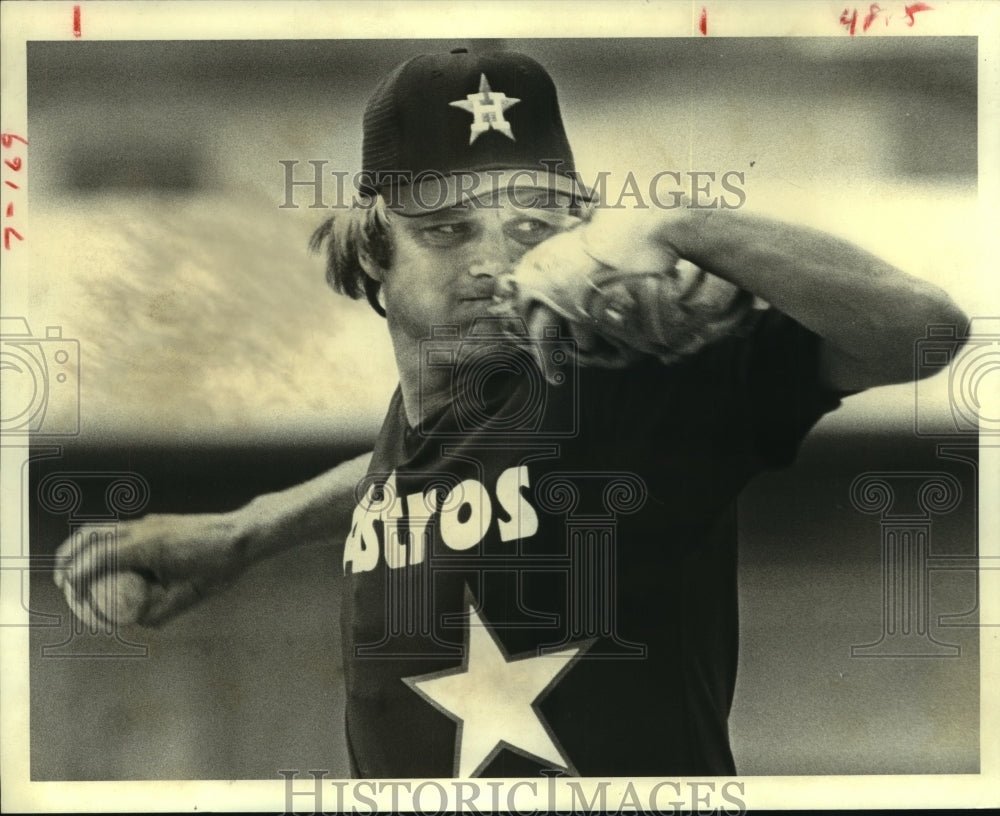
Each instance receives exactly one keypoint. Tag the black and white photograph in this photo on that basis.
(499, 406)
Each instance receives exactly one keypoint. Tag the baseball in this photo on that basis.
(121, 597)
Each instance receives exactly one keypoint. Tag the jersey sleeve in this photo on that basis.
(776, 379)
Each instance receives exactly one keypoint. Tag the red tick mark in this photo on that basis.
(7, 139)
(703, 21)
(13, 164)
(10, 209)
(77, 31)
(7, 232)
(12, 185)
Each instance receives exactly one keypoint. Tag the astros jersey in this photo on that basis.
(543, 575)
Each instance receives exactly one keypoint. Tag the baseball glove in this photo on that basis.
(618, 316)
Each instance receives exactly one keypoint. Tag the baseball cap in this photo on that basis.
(445, 128)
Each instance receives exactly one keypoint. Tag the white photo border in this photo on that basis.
(23, 22)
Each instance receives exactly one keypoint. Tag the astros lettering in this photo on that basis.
(398, 527)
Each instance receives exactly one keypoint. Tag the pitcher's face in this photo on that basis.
(446, 263)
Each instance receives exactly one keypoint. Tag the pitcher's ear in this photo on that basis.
(372, 269)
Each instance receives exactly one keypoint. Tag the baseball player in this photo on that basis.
(540, 552)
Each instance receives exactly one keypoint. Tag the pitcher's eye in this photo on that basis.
(448, 229)
(531, 230)
(445, 234)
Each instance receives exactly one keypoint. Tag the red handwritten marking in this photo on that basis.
(852, 20)
(912, 10)
(77, 30)
(703, 21)
(7, 232)
(15, 164)
(873, 11)
(849, 17)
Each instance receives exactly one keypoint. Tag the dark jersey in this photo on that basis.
(543, 576)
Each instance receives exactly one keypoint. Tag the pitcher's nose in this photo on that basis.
(489, 269)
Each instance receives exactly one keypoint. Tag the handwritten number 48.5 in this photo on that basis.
(851, 17)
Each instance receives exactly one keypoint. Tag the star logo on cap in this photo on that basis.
(487, 109)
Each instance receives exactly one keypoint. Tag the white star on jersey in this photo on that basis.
(487, 110)
(492, 699)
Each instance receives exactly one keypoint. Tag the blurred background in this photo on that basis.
(216, 364)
